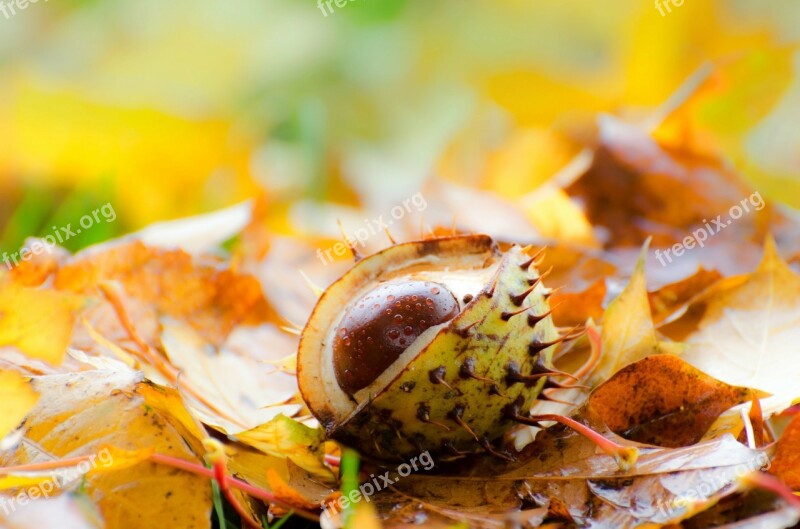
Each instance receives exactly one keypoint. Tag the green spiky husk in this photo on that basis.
(452, 397)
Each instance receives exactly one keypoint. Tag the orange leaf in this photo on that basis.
(786, 464)
(663, 400)
(212, 298)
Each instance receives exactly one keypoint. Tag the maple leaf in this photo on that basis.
(211, 298)
(748, 331)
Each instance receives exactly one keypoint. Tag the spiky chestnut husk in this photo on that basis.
(449, 391)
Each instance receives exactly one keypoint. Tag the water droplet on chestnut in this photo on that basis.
(388, 332)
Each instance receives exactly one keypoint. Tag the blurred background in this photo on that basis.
(171, 109)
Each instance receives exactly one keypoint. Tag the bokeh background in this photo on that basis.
(171, 109)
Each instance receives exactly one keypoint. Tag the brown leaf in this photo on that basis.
(566, 475)
(209, 296)
(669, 298)
(664, 401)
(786, 464)
(637, 188)
(571, 309)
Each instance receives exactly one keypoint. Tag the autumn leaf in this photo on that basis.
(286, 493)
(663, 400)
(576, 485)
(668, 299)
(754, 80)
(16, 400)
(571, 309)
(628, 333)
(79, 413)
(284, 437)
(37, 322)
(747, 333)
(674, 189)
(240, 387)
(213, 300)
(786, 464)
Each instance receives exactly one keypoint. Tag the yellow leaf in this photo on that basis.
(528, 159)
(364, 517)
(37, 322)
(69, 137)
(239, 391)
(738, 111)
(285, 437)
(628, 334)
(114, 458)
(749, 332)
(16, 400)
(557, 217)
(83, 414)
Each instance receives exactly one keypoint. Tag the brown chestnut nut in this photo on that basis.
(381, 324)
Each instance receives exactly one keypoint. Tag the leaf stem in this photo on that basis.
(261, 494)
(46, 465)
